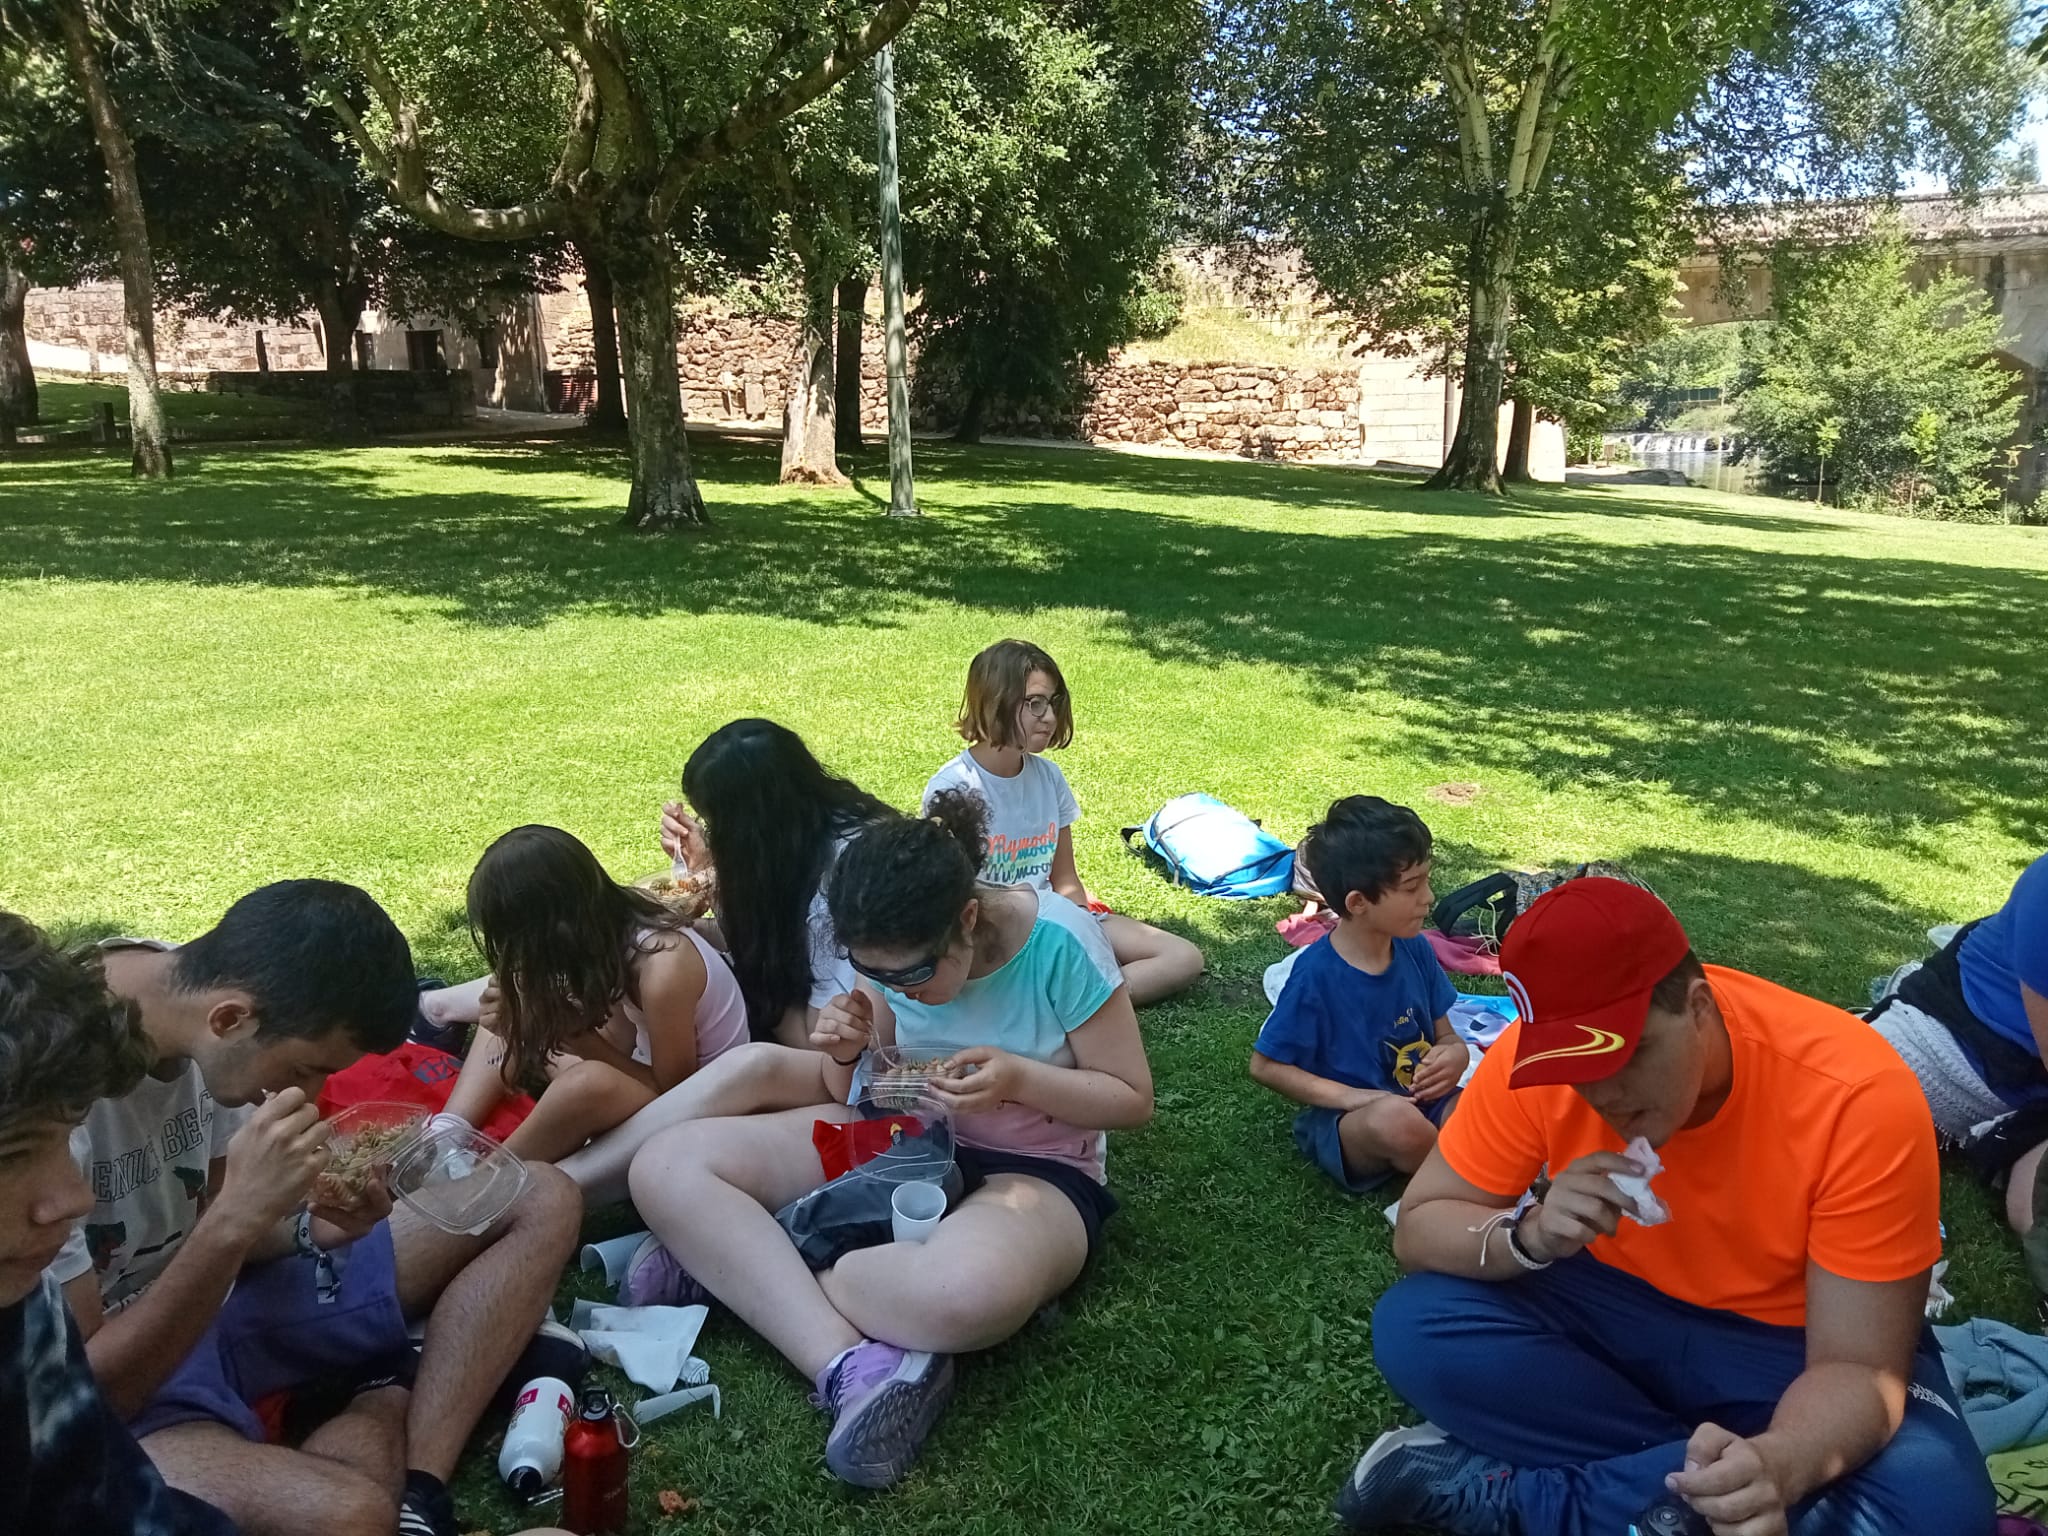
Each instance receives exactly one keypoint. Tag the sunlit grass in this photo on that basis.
(1815, 733)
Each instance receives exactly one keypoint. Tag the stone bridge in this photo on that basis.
(2001, 244)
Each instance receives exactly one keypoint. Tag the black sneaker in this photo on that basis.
(555, 1351)
(426, 1509)
(1421, 1476)
(449, 1037)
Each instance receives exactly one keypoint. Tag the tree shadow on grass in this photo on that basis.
(1827, 693)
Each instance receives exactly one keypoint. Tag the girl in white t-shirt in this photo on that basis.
(1016, 708)
(1019, 994)
(599, 985)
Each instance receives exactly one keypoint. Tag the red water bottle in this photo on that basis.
(594, 1466)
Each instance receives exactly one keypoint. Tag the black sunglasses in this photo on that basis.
(910, 976)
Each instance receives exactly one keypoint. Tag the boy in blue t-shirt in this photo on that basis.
(1361, 1034)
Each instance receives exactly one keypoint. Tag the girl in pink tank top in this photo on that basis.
(594, 985)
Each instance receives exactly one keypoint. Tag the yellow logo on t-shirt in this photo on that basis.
(1407, 1058)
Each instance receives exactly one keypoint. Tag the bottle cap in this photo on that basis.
(597, 1405)
(526, 1482)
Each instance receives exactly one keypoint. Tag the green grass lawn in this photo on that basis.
(1815, 733)
(68, 403)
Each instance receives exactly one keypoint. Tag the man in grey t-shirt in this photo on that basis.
(210, 1285)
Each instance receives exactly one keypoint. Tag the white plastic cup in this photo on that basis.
(914, 1209)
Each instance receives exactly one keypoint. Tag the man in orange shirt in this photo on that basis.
(1759, 1359)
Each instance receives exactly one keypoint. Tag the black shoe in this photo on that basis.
(1421, 1476)
(426, 1509)
(555, 1351)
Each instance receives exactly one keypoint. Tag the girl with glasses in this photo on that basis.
(1016, 708)
(1016, 990)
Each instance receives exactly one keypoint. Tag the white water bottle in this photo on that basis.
(532, 1457)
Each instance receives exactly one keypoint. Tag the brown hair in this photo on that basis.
(995, 692)
(556, 930)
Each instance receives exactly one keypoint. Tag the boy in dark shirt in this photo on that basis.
(66, 1462)
(1361, 1034)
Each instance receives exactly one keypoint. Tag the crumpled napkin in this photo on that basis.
(1647, 1209)
(650, 1344)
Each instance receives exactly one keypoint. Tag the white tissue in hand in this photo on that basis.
(1644, 1206)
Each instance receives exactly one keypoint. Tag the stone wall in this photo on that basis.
(733, 367)
(1379, 408)
(81, 330)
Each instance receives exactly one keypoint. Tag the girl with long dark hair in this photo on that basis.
(594, 983)
(773, 821)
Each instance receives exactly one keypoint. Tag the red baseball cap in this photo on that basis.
(1581, 964)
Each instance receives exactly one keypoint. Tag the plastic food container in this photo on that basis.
(453, 1175)
(363, 1138)
(692, 894)
(921, 1149)
(900, 1079)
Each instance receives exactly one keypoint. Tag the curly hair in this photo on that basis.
(771, 815)
(902, 884)
(558, 934)
(996, 680)
(65, 1041)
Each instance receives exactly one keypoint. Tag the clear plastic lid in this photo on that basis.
(920, 1146)
(457, 1177)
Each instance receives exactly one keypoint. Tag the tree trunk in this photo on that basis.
(968, 428)
(149, 438)
(853, 306)
(1521, 433)
(809, 442)
(1472, 462)
(340, 307)
(18, 404)
(608, 412)
(664, 491)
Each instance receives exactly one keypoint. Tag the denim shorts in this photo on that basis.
(1315, 1133)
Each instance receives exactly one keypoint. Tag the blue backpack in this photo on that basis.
(1216, 850)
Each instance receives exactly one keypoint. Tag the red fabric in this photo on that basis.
(414, 1074)
(1455, 952)
(1304, 928)
(843, 1148)
(1467, 956)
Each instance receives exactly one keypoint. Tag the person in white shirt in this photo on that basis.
(1016, 709)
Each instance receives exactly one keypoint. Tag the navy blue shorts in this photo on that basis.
(1093, 1200)
(1315, 1133)
(276, 1332)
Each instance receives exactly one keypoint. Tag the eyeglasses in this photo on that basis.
(1039, 705)
(910, 976)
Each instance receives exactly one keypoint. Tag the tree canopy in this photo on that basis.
(1883, 383)
(1460, 163)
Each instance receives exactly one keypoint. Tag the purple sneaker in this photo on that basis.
(653, 1278)
(883, 1402)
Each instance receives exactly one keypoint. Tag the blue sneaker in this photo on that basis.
(1421, 1476)
(654, 1277)
(883, 1402)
